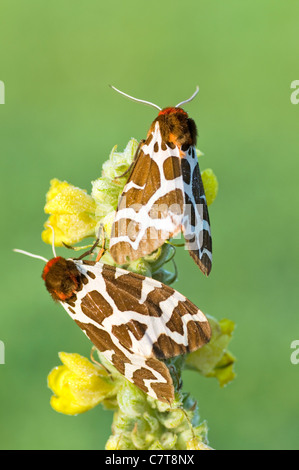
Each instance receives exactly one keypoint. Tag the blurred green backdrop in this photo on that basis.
(61, 120)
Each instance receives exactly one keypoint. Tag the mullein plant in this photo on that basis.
(80, 384)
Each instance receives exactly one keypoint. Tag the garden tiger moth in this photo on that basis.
(164, 193)
(136, 322)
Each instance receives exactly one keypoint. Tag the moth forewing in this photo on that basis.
(134, 321)
(150, 209)
(165, 175)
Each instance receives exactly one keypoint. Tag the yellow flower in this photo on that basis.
(210, 184)
(78, 385)
(72, 214)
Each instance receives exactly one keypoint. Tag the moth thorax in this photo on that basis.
(177, 128)
(62, 278)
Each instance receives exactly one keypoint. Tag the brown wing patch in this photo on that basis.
(165, 347)
(131, 282)
(128, 226)
(164, 391)
(155, 297)
(172, 168)
(172, 202)
(122, 332)
(199, 333)
(175, 323)
(146, 175)
(103, 342)
(95, 306)
(125, 291)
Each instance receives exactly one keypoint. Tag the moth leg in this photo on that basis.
(69, 247)
(75, 248)
(91, 250)
(102, 250)
(133, 162)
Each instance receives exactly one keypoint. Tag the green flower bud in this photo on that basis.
(140, 266)
(172, 419)
(118, 163)
(161, 256)
(213, 359)
(168, 440)
(131, 400)
(156, 446)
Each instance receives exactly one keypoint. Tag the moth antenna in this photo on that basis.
(53, 240)
(136, 99)
(31, 255)
(189, 99)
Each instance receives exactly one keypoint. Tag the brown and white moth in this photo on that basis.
(164, 193)
(134, 321)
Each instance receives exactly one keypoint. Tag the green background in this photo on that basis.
(61, 120)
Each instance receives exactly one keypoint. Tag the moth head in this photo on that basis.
(62, 278)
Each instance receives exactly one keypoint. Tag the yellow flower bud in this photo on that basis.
(78, 385)
(210, 184)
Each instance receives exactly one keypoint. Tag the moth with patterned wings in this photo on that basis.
(164, 193)
(135, 321)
